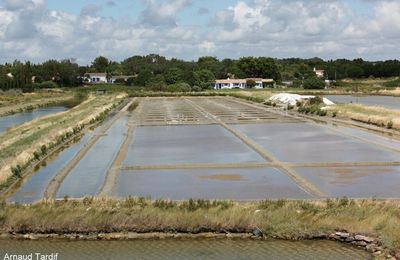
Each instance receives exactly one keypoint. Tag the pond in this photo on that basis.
(20, 118)
(185, 249)
(382, 101)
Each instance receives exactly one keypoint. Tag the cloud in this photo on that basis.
(298, 28)
(163, 14)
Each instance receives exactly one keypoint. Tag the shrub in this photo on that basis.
(389, 125)
(16, 171)
(43, 149)
(36, 155)
(314, 83)
(47, 84)
(179, 87)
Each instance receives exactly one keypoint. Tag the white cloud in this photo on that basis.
(297, 28)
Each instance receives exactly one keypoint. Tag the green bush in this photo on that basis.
(16, 171)
(179, 87)
(314, 83)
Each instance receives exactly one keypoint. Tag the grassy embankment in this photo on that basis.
(379, 116)
(26, 143)
(16, 103)
(279, 219)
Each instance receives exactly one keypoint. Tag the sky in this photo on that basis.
(38, 30)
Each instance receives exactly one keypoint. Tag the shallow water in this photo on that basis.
(382, 101)
(20, 118)
(355, 182)
(186, 249)
(305, 142)
(34, 187)
(187, 144)
(239, 184)
(88, 175)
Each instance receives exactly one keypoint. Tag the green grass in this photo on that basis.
(276, 218)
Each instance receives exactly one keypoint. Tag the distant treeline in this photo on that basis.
(159, 73)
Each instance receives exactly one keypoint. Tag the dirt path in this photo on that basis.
(301, 182)
(113, 172)
(55, 183)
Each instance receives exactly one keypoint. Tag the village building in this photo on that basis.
(96, 78)
(319, 73)
(242, 83)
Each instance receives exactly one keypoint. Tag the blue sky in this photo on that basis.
(83, 29)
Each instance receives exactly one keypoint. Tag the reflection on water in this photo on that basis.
(355, 182)
(305, 142)
(33, 188)
(240, 184)
(186, 249)
(187, 144)
(382, 101)
(20, 118)
(88, 175)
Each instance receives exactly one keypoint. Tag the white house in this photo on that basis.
(96, 77)
(242, 83)
(319, 73)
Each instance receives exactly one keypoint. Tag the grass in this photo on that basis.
(383, 117)
(18, 102)
(133, 106)
(19, 144)
(276, 218)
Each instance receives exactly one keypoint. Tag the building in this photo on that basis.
(95, 78)
(242, 83)
(319, 73)
(115, 79)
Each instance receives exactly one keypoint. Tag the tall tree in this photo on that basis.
(100, 64)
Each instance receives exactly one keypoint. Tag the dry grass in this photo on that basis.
(281, 218)
(18, 144)
(380, 116)
(390, 92)
(11, 104)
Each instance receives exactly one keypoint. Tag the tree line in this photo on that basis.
(156, 72)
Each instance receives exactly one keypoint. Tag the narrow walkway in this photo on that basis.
(189, 166)
(55, 183)
(301, 182)
(113, 172)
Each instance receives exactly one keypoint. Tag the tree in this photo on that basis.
(100, 64)
(204, 78)
(157, 83)
(173, 75)
(314, 83)
(250, 83)
(143, 77)
(259, 68)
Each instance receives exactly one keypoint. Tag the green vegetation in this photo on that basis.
(16, 102)
(313, 106)
(276, 218)
(314, 83)
(22, 145)
(157, 73)
(133, 106)
(393, 83)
